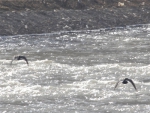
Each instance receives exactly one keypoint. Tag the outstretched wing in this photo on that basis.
(117, 84)
(23, 57)
(11, 61)
(132, 83)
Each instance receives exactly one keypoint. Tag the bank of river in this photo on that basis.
(43, 21)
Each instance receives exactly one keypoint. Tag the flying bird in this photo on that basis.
(20, 58)
(125, 81)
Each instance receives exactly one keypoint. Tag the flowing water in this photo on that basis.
(75, 72)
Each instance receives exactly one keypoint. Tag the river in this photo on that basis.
(76, 72)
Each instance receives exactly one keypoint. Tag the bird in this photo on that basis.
(19, 58)
(125, 81)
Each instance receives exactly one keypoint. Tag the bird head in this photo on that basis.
(15, 57)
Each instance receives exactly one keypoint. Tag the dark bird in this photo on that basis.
(20, 58)
(125, 81)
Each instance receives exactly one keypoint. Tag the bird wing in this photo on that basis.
(23, 57)
(26, 60)
(11, 61)
(117, 84)
(132, 83)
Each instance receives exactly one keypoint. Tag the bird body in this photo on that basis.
(20, 58)
(125, 81)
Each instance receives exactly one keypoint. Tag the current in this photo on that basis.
(76, 71)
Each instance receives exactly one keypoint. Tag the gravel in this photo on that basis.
(43, 21)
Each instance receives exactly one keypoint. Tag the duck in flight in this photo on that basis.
(20, 58)
(125, 81)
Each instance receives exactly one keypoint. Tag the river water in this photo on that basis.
(75, 72)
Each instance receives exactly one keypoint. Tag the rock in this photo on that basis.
(120, 4)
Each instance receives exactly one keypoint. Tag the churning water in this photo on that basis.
(75, 72)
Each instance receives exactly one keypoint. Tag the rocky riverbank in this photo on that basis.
(33, 21)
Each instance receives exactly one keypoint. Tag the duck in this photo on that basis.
(19, 58)
(125, 81)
